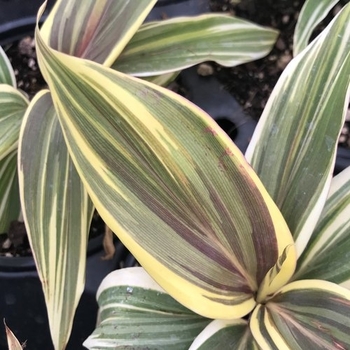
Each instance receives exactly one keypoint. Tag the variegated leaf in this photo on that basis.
(97, 30)
(12, 341)
(7, 75)
(326, 256)
(136, 313)
(163, 79)
(293, 147)
(57, 214)
(225, 334)
(311, 14)
(10, 206)
(276, 276)
(168, 181)
(13, 106)
(309, 314)
(175, 44)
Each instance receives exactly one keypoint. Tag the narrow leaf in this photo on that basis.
(12, 341)
(309, 314)
(225, 334)
(327, 253)
(57, 214)
(178, 43)
(7, 75)
(311, 14)
(13, 106)
(94, 29)
(135, 313)
(277, 276)
(169, 182)
(10, 206)
(293, 147)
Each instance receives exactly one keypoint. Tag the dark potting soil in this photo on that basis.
(29, 79)
(23, 59)
(250, 84)
(15, 242)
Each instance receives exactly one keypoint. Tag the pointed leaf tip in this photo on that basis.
(169, 182)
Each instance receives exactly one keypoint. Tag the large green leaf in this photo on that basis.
(175, 44)
(7, 75)
(225, 334)
(311, 14)
(309, 314)
(13, 106)
(10, 206)
(326, 256)
(135, 313)
(293, 147)
(57, 214)
(94, 29)
(169, 182)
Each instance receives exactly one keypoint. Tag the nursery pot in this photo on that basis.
(22, 302)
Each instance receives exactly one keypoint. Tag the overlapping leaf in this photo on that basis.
(96, 30)
(327, 253)
(7, 76)
(145, 316)
(13, 106)
(309, 314)
(10, 206)
(175, 44)
(311, 14)
(276, 277)
(170, 182)
(57, 214)
(163, 79)
(300, 124)
(221, 334)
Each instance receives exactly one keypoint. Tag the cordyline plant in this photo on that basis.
(240, 256)
(56, 206)
(202, 225)
(182, 197)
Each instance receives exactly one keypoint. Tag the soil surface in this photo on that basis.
(250, 84)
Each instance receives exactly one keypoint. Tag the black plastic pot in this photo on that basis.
(343, 159)
(17, 18)
(22, 301)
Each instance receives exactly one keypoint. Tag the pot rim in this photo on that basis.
(27, 263)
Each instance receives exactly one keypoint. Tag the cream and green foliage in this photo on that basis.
(52, 190)
(13, 106)
(311, 14)
(162, 47)
(166, 320)
(326, 253)
(56, 207)
(290, 134)
(211, 230)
